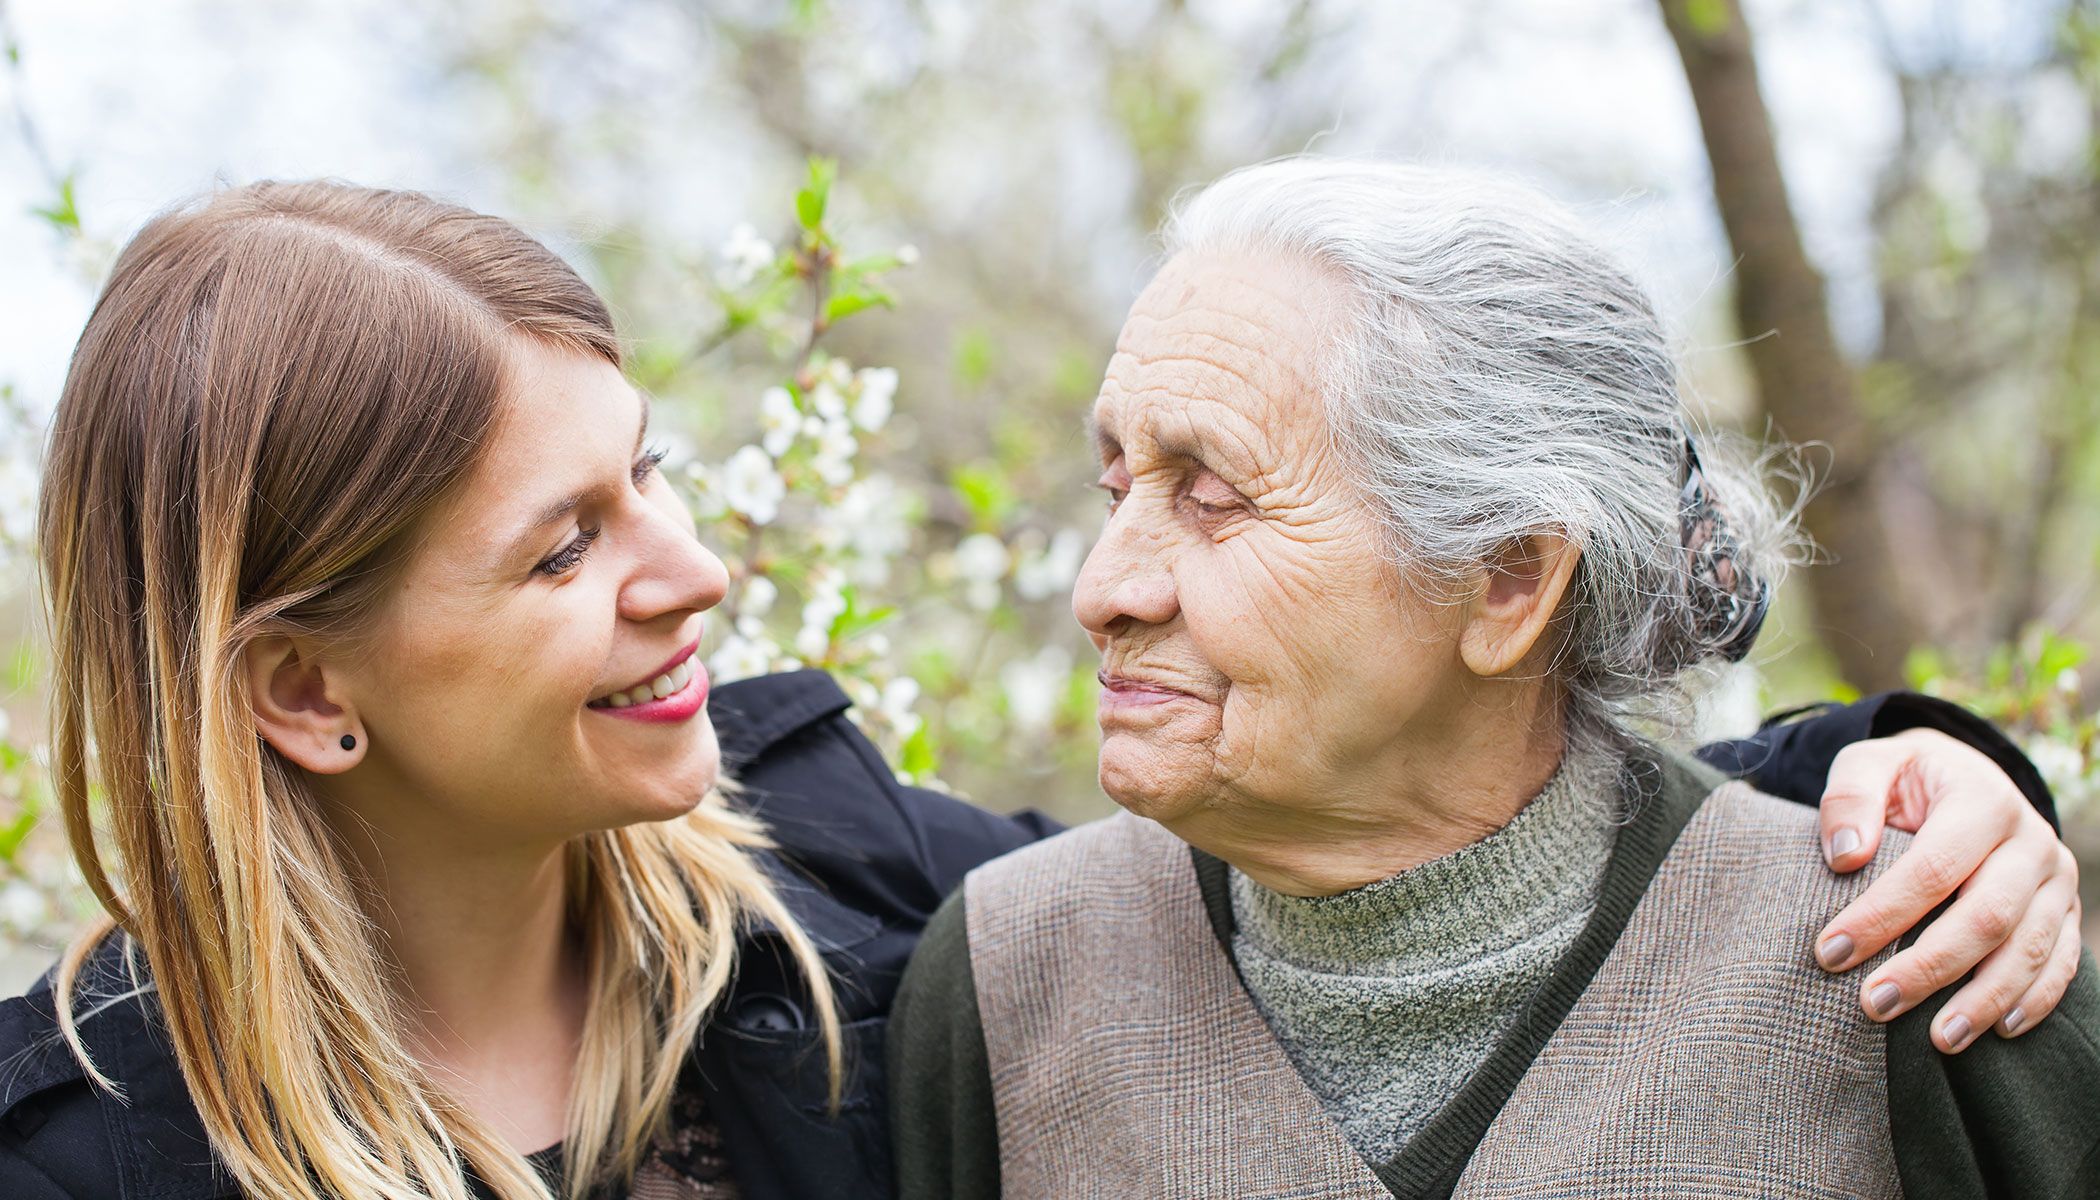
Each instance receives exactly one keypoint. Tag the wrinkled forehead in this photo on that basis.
(1222, 348)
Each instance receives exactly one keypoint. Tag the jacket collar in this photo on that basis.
(161, 1149)
(158, 1136)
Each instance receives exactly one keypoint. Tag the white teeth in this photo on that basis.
(673, 680)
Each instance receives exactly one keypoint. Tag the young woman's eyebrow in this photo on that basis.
(558, 509)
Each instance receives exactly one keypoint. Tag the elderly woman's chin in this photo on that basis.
(1159, 764)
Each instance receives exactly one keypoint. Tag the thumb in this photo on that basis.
(1855, 802)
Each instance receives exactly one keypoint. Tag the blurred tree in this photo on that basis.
(1802, 379)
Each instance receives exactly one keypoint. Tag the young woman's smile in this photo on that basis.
(674, 693)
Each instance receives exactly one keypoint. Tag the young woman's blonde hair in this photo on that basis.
(274, 388)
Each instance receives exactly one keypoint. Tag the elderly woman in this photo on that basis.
(1408, 548)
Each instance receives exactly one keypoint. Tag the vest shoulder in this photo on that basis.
(1098, 850)
(1749, 815)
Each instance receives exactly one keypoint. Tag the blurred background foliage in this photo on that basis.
(871, 257)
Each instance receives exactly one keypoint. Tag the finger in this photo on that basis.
(1946, 851)
(2042, 998)
(2007, 973)
(1856, 800)
(1977, 923)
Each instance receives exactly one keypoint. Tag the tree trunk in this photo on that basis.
(1805, 385)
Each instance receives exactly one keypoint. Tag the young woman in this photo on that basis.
(358, 573)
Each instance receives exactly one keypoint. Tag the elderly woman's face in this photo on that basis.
(1255, 641)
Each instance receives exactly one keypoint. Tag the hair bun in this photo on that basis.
(1728, 604)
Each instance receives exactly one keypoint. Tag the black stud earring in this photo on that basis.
(349, 742)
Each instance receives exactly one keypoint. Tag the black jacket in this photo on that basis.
(863, 864)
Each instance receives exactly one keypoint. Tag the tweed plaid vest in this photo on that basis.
(1708, 1056)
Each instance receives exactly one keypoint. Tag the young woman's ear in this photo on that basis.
(296, 702)
(1519, 592)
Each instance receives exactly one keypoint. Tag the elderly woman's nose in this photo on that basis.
(1125, 579)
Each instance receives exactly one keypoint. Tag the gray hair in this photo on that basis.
(1497, 374)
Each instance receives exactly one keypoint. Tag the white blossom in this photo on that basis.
(740, 657)
(22, 906)
(981, 561)
(708, 502)
(812, 643)
(744, 255)
(838, 373)
(2063, 768)
(826, 604)
(2067, 681)
(1035, 686)
(867, 526)
(3, 724)
(877, 398)
(836, 447)
(751, 486)
(898, 696)
(779, 420)
(1041, 576)
(908, 254)
(827, 401)
(758, 596)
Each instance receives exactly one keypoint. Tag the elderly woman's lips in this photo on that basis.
(1119, 692)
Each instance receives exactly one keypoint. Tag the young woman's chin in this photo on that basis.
(674, 785)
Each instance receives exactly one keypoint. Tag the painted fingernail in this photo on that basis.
(1955, 1032)
(1841, 843)
(1884, 998)
(2013, 1021)
(1835, 950)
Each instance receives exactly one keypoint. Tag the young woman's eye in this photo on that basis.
(566, 558)
(649, 461)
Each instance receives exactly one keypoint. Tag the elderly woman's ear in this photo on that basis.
(1515, 597)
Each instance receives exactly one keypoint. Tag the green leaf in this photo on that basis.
(64, 215)
(975, 354)
(855, 624)
(15, 831)
(1707, 17)
(917, 758)
(985, 492)
(22, 667)
(2058, 655)
(815, 197)
(873, 264)
(845, 304)
(809, 210)
(1922, 666)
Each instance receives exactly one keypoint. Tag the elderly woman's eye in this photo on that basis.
(1214, 498)
(1115, 480)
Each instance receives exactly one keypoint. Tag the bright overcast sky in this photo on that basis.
(158, 100)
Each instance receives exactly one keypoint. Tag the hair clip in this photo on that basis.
(1711, 551)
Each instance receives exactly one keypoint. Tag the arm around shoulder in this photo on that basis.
(942, 1123)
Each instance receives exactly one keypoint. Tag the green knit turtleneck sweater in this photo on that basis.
(1389, 995)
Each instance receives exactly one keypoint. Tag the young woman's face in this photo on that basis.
(564, 571)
